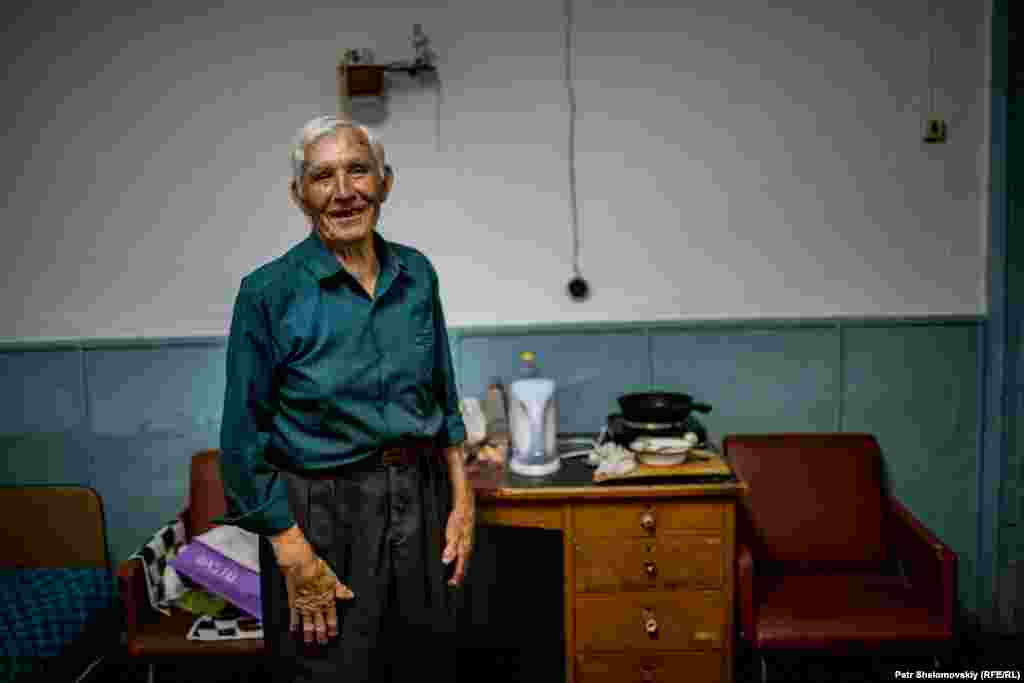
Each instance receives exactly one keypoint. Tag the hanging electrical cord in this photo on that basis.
(935, 124)
(437, 118)
(344, 99)
(578, 287)
(931, 60)
(930, 38)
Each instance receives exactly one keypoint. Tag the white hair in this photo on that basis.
(325, 125)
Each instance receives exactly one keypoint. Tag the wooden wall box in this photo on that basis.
(363, 79)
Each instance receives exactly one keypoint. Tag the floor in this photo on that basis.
(509, 666)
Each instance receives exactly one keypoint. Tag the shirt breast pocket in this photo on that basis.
(422, 347)
(420, 355)
(424, 338)
(422, 320)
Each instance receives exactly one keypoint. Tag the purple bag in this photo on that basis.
(225, 561)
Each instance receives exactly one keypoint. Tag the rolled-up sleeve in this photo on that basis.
(257, 496)
(453, 432)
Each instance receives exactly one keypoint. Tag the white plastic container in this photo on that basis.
(533, 424)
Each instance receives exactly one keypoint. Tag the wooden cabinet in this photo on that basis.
(673, 561)
(648, 573)
(664, 621)
(653, 668)
(653, 590)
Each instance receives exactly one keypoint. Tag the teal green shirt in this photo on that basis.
(322, 375)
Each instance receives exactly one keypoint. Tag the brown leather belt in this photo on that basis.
(405, 453)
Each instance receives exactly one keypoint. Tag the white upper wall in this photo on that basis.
(733, 160)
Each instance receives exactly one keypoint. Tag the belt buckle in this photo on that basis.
(392, 456)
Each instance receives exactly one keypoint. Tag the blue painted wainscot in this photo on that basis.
(125, 416)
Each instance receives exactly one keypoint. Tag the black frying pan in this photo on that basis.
(659, 407)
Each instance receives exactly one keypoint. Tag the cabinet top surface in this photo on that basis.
(574, 480)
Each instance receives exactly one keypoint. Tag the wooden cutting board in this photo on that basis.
(701, 465)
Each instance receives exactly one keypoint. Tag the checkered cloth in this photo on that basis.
(216, 628)
(159, 575)
(165, 586)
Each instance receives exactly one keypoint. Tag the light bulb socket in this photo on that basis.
(578, 289)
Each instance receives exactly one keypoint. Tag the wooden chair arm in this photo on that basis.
(134, 597)
(928, 564)
(746, 606)
(745, 602)
(134, 594)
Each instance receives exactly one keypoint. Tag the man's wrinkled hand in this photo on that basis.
(312, 589)
(459, 540)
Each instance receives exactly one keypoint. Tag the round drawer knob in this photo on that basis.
(650, 622)
(647, 520)
(650, 568)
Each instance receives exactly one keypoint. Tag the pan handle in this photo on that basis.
(701, 407)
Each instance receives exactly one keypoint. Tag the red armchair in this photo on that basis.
(827, 560)
(156, 637)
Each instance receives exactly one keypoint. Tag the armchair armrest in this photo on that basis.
(745, 590)
(745, 579)
(134, 598)
(131, 582)
(929, 565)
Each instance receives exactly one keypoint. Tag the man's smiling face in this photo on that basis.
(342, 188)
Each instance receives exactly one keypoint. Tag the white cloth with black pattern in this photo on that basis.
(163, 585)
(215, 628)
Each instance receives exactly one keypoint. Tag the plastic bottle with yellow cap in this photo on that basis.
(528, 365)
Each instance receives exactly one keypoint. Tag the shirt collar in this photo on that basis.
(322, 262)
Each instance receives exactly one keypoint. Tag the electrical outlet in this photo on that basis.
(935, 129)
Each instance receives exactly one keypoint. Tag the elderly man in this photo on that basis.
(341, 441)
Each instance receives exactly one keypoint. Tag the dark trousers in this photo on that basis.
(381, 528)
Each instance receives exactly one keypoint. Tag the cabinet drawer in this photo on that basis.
(646, 519)
(668, 561)
(651, 621)
(533, 516)
(676, 667)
